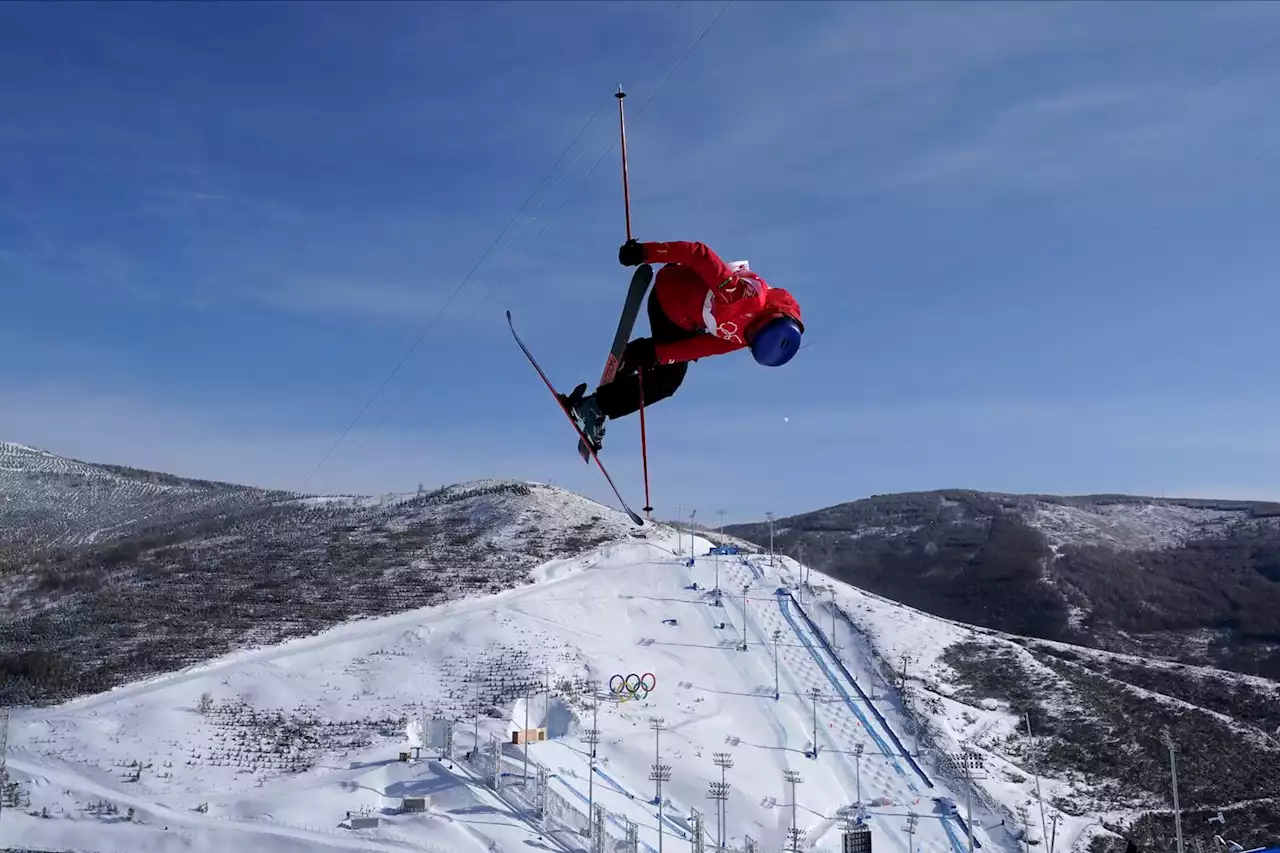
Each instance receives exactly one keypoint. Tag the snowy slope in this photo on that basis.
(297, 735)
(1092, 699)
(84, 620)
(51, 500)
(1130, 525)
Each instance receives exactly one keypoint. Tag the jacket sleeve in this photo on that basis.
(696, 256)
(691, 349)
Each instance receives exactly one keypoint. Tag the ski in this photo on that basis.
(581, 436)
(630, 312)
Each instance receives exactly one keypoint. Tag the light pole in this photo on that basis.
(591, 737)
(912, 820)
(660, 773)
(769, 516)
(857, 766)
(525, 778)
(657, 724)
(834, 646)
(724, 761)
(679, 535)
(745, 587)
(777, 635)
(804, 571)
(691, 545)
(793, 776)
(1167, 737)
(815, 694)
(719, 545)
(970, 760)
(1036, 772)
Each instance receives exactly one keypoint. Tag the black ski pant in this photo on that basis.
(621, 397)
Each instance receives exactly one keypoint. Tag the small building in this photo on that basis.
(413, 805)
(404, 756)
(364, 822)
(529, 735)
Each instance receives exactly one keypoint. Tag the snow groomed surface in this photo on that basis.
(622, 608)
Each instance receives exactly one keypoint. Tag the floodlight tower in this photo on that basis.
(658, 724)
(815, 694)
(777, 635)
(724, 761)
(660, 773)
(832, 589)
(598, 834)
(849, 819)
(793, 834)
(1167, 737)
(971, 764)
(1035, 771)
(591, 737)
(769, 516)
(857, 768)
(679, 535)
(698, 827)
(913, 820)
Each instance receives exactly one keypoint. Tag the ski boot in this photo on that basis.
(586, 411)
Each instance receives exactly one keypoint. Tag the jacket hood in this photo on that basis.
(783, 302)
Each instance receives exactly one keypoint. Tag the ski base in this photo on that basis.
(582, 438)
(630, 312)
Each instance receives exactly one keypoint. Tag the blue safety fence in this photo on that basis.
(844, 694)
(874, 710)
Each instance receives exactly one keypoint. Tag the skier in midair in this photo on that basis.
(699, 306)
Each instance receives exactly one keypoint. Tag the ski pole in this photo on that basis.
(644, 450)
(626, 189)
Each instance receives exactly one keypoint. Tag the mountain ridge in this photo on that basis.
(188, 571)
(106, 570)
(1197, 579)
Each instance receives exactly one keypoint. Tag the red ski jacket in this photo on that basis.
(700, 292)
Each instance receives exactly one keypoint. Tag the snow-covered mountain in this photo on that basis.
(53, 501)
(1193, 580)
(273, 748)
(157, 573)
(270, 749)
(1103, 618)
(324, 630)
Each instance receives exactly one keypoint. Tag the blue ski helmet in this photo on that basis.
(776, 342)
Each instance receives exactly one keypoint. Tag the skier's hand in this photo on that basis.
(631, 254)
(638, 355)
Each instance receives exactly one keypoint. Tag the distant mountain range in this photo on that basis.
(1196, 581)
(1105, 620)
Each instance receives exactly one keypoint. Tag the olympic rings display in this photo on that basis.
(633, 686)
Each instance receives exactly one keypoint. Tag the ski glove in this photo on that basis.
(638, 355)
(631, 254)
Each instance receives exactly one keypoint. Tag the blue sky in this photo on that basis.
(1034, 243)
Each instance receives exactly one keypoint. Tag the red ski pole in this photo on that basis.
(644, 449)
(626, 204)
(626, 190)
